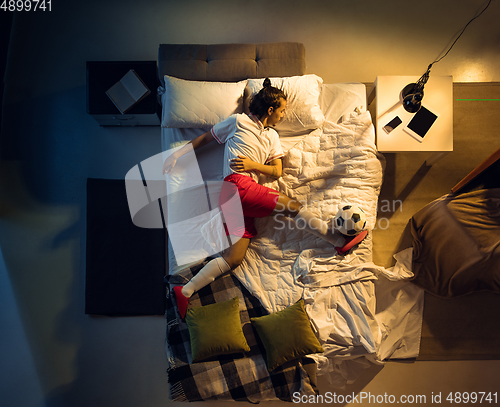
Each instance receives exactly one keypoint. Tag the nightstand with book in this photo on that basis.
(122, 93)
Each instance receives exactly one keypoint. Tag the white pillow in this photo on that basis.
(196, 104)
(303, 111)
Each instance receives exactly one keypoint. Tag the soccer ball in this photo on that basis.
(350, 220)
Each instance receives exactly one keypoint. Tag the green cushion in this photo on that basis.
(215, 329)
(286, 335)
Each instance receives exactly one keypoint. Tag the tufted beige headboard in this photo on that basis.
(231, 62)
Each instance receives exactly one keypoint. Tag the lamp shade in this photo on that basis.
(413, 93)
(412, 97)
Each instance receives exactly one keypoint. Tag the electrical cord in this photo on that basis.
(454, 42)
(413, 93)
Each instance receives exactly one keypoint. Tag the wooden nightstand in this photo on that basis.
(101, 75)
(386, 103)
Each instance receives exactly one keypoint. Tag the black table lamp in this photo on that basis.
(413, 93)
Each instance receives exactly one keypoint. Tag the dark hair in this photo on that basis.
(268, 96)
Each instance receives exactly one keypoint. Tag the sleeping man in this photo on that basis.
(251, 146)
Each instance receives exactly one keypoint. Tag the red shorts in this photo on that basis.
(257, 201)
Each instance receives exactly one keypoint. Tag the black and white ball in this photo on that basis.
(350, 220)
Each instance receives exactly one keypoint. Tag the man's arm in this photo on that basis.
(196, 143)
(199, 141)
(276, 167)
(272, 169)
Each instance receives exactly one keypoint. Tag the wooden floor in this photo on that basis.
(408, 186)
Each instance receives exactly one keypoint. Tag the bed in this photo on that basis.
(456, 238)
(358, 312)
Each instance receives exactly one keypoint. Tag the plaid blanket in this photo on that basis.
(242, 377)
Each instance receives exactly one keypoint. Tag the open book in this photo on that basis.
(128, 91)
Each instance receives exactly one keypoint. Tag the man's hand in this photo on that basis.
(241, 164)
(169, 163)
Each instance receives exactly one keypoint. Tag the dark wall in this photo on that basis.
(5, 29)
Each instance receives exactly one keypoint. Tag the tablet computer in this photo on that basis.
(420, 124)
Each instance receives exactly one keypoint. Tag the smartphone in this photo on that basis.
(420, 124)
(392, 124)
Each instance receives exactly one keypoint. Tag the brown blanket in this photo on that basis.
(456, 244)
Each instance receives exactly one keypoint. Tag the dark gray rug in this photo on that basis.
(125, 264)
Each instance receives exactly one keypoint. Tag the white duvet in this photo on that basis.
(331, 166)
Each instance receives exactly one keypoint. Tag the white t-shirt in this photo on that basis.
(245, 136)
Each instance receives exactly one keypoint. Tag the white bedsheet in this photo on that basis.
(329, 167)
(362, 313)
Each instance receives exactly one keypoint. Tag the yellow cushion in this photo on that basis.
(286, 335)
(215, 329)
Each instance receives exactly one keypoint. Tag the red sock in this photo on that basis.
(351, 242)
(181, 300)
